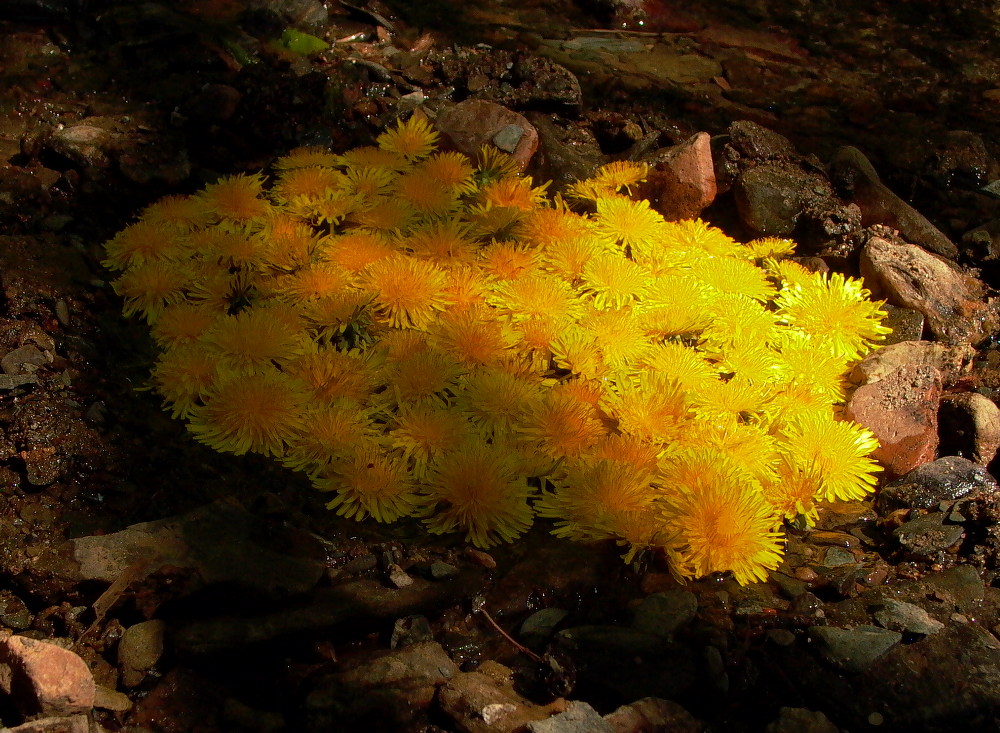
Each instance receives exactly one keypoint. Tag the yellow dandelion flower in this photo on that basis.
(740, 398)
(732, 276)
(474, 337)
(508, 260)
(425, 376)
(450, 168)
(286, 242)
(836, 311)
(408, 293)
(619, 335)
(329, 433)
(355, 250)
(467, 287)
(694, 234)
(771, 247)
(413, 139)
(307, 157)
(534, 339)
(184, 213)
(427, 196)
(425, 432)
(683, 363)
(653, 408)
(384, 214)
(593, 497)
(718, 520)
(494, 222)
(253, 339)
(182, 375)
(148, 289)
(839, 451)
(791, 273)
(370, 156)
(536, 296)
(496, 399)
(182, 323)
(142, 242)
(576, 351)
(738, 319)
(621, 174)
(621, 220)
(674, 305)
(629, 449)
(259, 412)
(367, 184)
(750, 361)
(513, 193)
(330, 209)
(614, 281)
(333, 374)
(547, 226)
(312, 282)
(568, 258)
(806, 366)
(370, 483)
(493, 163)
(794, 490)
(238, 198)
(477, 489)
(314, 182)
(447, 242)
(560, 426)
(228, 247)
(330, 316)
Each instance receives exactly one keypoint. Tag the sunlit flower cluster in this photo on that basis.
(430, 336)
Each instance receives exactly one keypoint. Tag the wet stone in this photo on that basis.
(410, 630)
(837, 556)
(946, 479)
(970, 426)
(853, 650)
(665, 613)
(442, 570)
(508, 137)
(928, 534)
(14, 613)
(901, 616)
(907, 324)
(538, 628)
(579, 717)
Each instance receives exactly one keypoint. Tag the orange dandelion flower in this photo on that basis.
(425, 376)
(427, 196)
(182, 323)
(536, 296)
(508, 260)
(148, 289)
(259, 412)
(312, 283)
(311, 183)
(718, 520)
(446, 242)
(467, 287)
(335, 375)
(619, 335)
(330, 432)
(513, 193)
(413, 139)
(286, 242)
(384, 214)
(409, 293)
(144, 242)
(476, 489)
(473, 337)
(561, 426)
(452, 169)
(653, 408)
(496, 399)
(307, 157)
(370, 156)
(367, 184)
(237, 198)
(184, 213)
(371, 483)
(230, 248)
(425, 432)
(253, 339)
(182, 375)
(355, 250)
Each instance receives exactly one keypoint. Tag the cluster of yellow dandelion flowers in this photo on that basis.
(424, 335)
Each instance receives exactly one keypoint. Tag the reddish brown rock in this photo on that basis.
(951, 301)
(901, 409)
(469, 125)
(45, 679)
(681, 180)
(970, 426)
(951, 362)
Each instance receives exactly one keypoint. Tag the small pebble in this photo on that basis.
(399, 577)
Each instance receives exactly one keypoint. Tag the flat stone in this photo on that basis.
(579, 717)
(469, 125)
(853, 650)
(902, 616)
(47, 679)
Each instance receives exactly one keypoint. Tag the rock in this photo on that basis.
(537, 629)
(45, 679)
(951, 301)
(666, 612)
(901, 410)
(769, 199)
(410, 630)
(139, 650)
(901, 616)
(906, 324)
(220, 542)
(64, 724)
(25, 359)
(398, 577)
(801, 720)
(108, 699)
(385, 688)
(946, 479)
(469, 125)
(970, 426)
(853, 650)
(88, 146)
(651, 715)
(960, 159)
(681, 180)
(579, 717)
(856, 180)
(482, 703)
(443, 571)
(951, 362)
(14, 614)
(927, 535)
